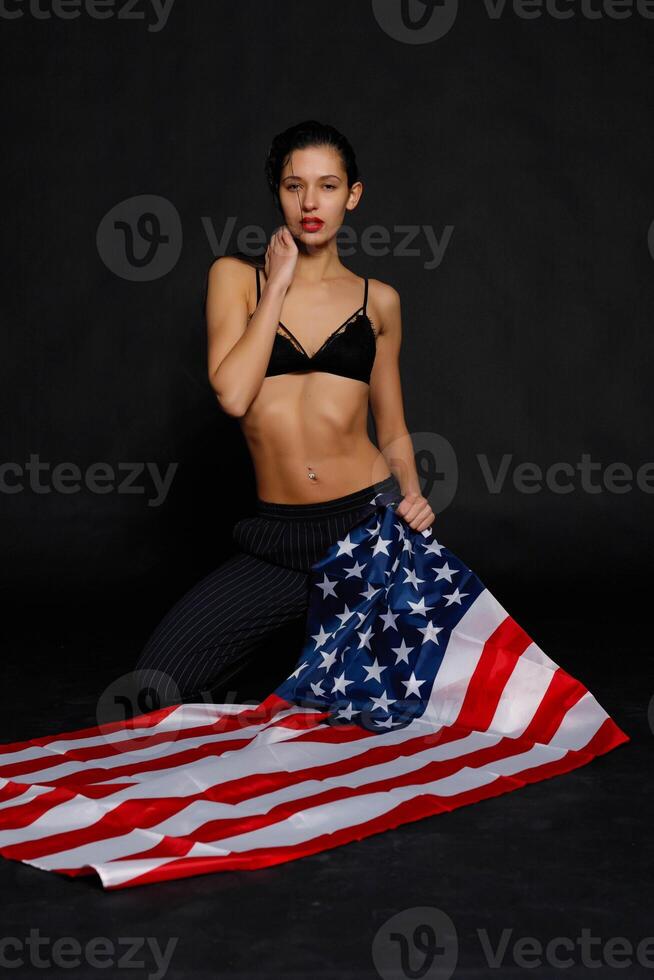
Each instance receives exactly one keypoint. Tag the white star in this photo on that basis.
(433, 548)
(386, 722)
(382, 702)
(411, 577)
(413, 685)
(320, 637)
(355, 569)
(328, 660)
(455, 596)
(370, 592)
(373, 670)
(317, 689)
(296, 672)
(339, 683)
(327, 586)
(380, 546)
(345, 547)
(348, 712)
(373, 531)
(401, 528)
(365, 638)
(446, 572)
(419, 608)
(429, 632)
(344, 616)
(408, 545)
(388, 618)
(402, 653)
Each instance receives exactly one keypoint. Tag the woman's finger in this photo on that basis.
(416, 511)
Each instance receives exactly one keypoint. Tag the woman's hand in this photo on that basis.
(415, 510)
(281, 257)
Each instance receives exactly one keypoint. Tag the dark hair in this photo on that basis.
(307, 133)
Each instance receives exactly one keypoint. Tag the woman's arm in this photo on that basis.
(387, 406)
(238, 351)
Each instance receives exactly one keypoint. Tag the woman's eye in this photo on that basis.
(292, 187)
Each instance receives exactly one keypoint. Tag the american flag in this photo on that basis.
(415, 693)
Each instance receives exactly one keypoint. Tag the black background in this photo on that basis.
(530, 139)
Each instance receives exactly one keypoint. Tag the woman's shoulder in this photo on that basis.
(382, 294)
(237, 262)
(232, 277)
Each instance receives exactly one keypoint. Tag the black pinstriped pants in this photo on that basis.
(207, 635)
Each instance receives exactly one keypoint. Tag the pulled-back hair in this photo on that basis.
(307, 133)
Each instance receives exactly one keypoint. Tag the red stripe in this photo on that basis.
(223, 725)
(499, 656)
(147, 813)
(608, 737)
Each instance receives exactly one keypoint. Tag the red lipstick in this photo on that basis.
(312, 224)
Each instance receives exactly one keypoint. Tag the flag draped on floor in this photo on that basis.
(415, 693)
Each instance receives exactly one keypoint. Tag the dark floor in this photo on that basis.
(565, 857)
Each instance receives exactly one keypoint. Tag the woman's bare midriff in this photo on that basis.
(311, 420)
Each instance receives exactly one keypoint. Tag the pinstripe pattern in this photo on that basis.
(210, 631)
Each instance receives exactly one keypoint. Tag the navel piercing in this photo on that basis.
(311, 474)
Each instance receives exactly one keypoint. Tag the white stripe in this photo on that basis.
(149, 753)
(26, 797)
(463, 652)
(522, 695)
(580, 724)
(185, 716)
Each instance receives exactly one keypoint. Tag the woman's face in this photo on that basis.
(314, 195)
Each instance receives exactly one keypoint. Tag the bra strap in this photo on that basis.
(365, 296)
(258, 284)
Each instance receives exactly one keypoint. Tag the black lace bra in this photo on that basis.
(348, 351)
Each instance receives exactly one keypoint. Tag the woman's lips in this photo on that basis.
(312, 224)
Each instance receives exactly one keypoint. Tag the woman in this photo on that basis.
(301, 395)
(414, 693)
